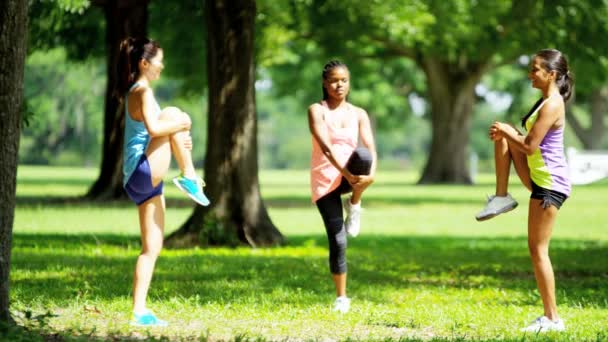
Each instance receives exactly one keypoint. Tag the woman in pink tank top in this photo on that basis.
(338, 166)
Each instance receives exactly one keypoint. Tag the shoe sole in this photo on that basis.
(487, 217)
(176, 182)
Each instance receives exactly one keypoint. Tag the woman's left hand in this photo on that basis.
(362, 182)
(498, 130)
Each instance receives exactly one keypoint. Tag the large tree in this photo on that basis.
(123, 19)
(13, 33)
(76, 26)
(593, 134)
(237, 212)
(454, 43)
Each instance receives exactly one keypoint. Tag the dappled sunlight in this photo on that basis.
(420, 267)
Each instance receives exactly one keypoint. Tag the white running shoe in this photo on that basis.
(543, 324)
(496, 205)
(341, 304)
(352, 223)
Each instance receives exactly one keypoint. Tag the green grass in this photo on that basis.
(421, 269)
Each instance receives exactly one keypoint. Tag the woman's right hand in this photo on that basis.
(185, 121)
(188, 142)
(352, 179)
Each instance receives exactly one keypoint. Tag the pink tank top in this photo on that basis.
(324, 177)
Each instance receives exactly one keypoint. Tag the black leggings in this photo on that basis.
(330, 207)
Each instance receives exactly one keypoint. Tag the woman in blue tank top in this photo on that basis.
(151, 137)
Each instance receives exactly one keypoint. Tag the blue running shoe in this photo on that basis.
(147, 319)
(193, 188)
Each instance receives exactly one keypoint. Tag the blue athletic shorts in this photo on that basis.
(139, 187)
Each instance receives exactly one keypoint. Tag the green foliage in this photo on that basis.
(180, 29)
(73, 25)
(65, 105)
(422, 268)
(382, 42)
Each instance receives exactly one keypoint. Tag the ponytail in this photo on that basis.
(130, 52)
(554, 60)
(565, 83)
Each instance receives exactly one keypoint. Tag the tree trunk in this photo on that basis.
(592, 137)
(123, 19)
(13, 32)
(451, 92)
(237, 212)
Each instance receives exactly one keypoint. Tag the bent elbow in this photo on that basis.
(154, 133)
(529, 150)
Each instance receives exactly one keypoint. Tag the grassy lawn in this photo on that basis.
(422, 268)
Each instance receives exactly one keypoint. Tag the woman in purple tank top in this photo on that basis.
(540, 163)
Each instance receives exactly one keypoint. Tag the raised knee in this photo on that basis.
(501, 141)
(363, 154)
(170, 112)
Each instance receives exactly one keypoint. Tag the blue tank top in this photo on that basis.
(136, 140)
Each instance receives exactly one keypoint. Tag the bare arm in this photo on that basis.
(361, 182)
(158, 127)
(549, 115)
(318, 129)
(367, 139)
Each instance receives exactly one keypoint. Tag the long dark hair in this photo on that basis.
(131, 51)
(554, 60)
(331, 65)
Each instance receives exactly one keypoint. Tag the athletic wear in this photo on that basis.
(341, 304)
(139, 186)
(496, 205)
(330, 207)
(147, 319)
(193, 188)
(549, 197)
(352, 224)
(543, 324)
(136, 139)
(548, 167)
(324, 177)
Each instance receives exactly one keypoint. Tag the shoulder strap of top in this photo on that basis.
(128, 116)
(537, 106)
(136, 84)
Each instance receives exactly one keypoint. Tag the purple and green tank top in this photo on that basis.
(548, 167)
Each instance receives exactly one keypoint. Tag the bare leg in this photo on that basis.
(152, 222)
(340, 282)
(159, 158)
(173, 143)
(182, 155)
(502, 161)
(540, 226)
(355, 197)
(504, 153)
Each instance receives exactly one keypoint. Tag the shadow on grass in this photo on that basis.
(26, 201)
(291, 201)
(60, 268)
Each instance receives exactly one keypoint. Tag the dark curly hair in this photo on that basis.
(331, 65)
